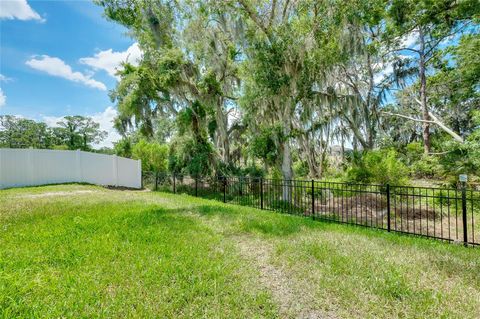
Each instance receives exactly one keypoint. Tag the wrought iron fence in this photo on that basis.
(442, 213)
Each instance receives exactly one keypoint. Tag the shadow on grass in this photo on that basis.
(26, 187)
(174, 218)
(251, 220)
(272, 223)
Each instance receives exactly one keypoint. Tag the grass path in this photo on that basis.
(84, 251)
(288, 294)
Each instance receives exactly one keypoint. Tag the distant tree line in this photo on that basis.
(71, 133)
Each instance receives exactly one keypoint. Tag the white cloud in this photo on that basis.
(385, 70)
(3, 98)
(52, 120)
(5, 79)
(105, 119)
(110, 61)
(409, 40)
(56, 67)
(18, 9)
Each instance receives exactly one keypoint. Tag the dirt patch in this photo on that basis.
(369, 208)
(293, 301)
(365, 207)
(417, 213)
(365, 202)
(54, 194)
(124, 188)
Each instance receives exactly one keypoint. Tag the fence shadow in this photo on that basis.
(440, 213)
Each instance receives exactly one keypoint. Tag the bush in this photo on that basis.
(152, 155)
(300, 169)
(427, 167)
(190, 156)
(252, 171)
(380, 166)
(413, 152)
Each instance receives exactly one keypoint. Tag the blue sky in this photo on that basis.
(59, 58)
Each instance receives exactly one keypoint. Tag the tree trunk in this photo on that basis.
(323, 153)
(357, 134)
(423, 94)
(286, 166)
(223, 143)
(287, 172)
(309, 152)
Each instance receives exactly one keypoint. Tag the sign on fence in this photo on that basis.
(28, 167)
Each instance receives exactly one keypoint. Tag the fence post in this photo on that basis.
(196, 186)
(174, 184)
(115, 169)
(464, 213)
(261, 192)
(139, 171)
(31, 167)
(313, 199)
(388, 207)
(78, 163)
(156, 181)
(224, 189)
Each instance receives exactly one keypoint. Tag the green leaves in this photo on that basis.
(74, 132)
(380, 167)
(154, 156)
(247, 80)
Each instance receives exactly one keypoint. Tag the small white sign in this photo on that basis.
(463, 178)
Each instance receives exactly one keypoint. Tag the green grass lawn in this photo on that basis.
(85, 251)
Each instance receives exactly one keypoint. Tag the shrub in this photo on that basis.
(427, 167)
(379, 166)
(190, 156)
(413, 152)
(300, 169)
(152, 155)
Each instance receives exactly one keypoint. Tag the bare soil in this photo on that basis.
(293, 302)
(53, 194)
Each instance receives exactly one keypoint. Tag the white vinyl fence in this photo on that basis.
(27, 167)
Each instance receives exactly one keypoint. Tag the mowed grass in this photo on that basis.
(85, 251)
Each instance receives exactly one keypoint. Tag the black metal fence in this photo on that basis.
(442, 213)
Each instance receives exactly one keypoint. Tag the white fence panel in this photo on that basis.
(15, 168)
(26, 167)
(101, 172)
(48, 169)
(129, 175)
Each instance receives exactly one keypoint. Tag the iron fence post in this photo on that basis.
(388, 208)
(224, 189)
(174, 185)
(464, 213)
(313, 199)
(196, 186)
(261, 193)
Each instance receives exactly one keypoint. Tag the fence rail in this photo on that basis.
(442, 213)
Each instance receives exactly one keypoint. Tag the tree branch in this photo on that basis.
(255, 18)
(272, 13)
(434, 120)
(407, 117)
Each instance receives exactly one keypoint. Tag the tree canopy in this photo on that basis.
(72, 133)
(283, 84)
